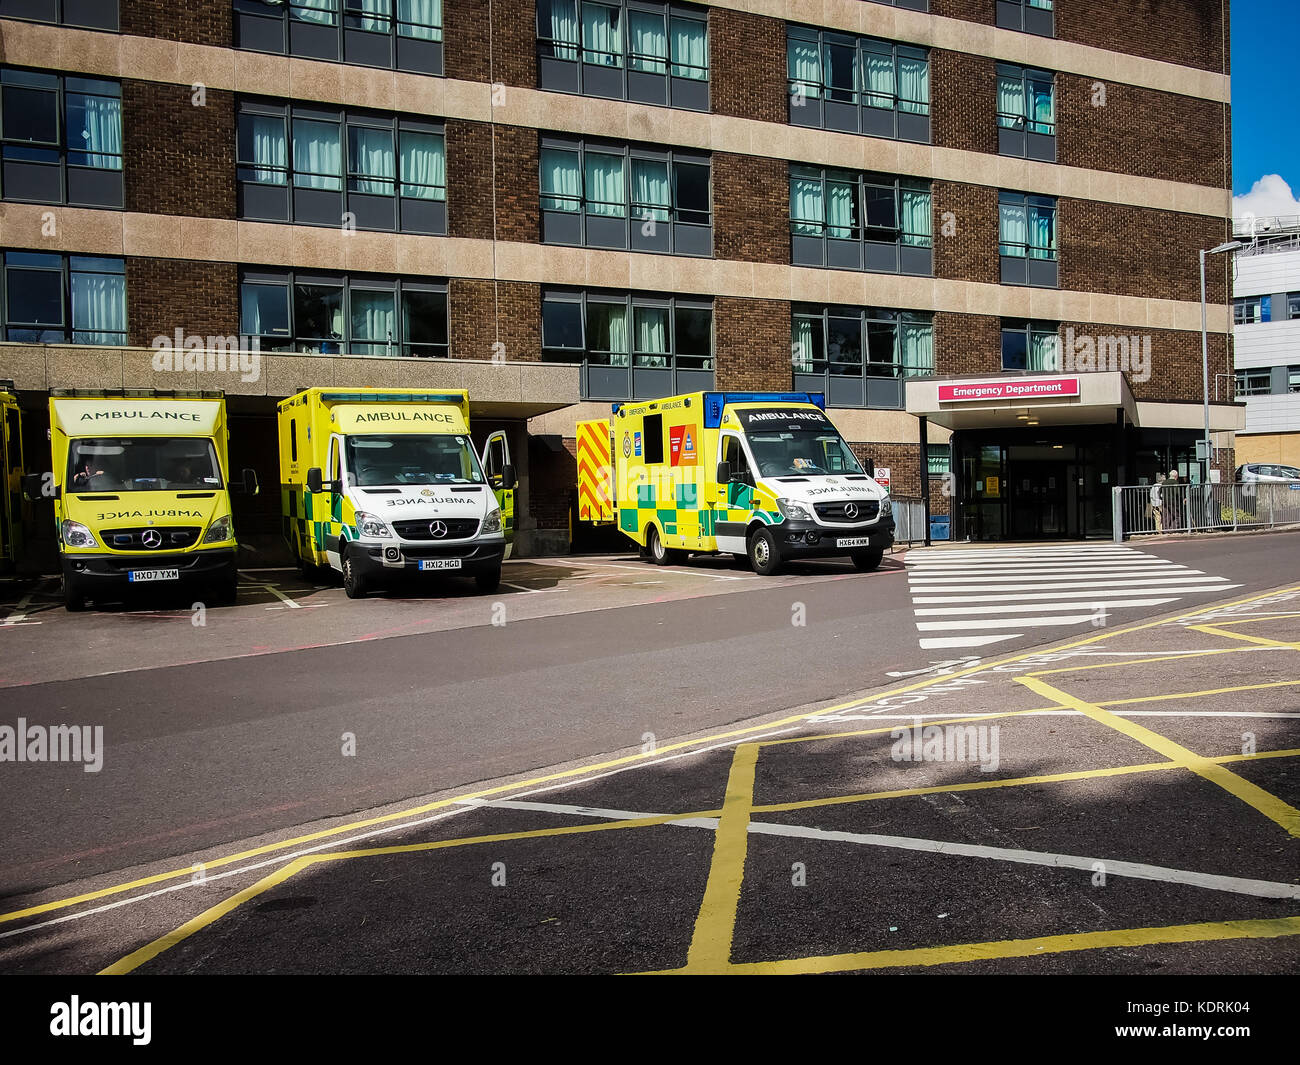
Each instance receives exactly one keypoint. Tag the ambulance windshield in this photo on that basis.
(375, 461)
(800, 451)
(142, 464)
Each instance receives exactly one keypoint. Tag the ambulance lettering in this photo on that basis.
(114, 515)
(404, 416)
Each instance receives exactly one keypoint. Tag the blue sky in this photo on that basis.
(1265, 85)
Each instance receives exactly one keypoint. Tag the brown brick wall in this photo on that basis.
(1175, 362)
(513, 59)
(166, 294)
(469, 179)
(963, 99)
(208, 22)
(747, 65)
(1140, 131)
(518, 205)
(180, 158)
(751, 208)
(483, 313)
(967, 344)
(552, 483)
(1137, 251)
(751, 341)
(970, 253)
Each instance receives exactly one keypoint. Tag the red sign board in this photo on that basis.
(1015, 389)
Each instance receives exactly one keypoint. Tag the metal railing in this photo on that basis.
(1179, 509)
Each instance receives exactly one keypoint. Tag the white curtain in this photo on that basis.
(650, 189)
(880, 79)
(913, 85)
(1043, 117)
(321, 11)
(376, 15)
(98, 308)
(1044, 352)
(561, 180)
(1042, 230)
(563, 29)
(916, 348)
(840, 214)
(807, 206)
(1014, 229)
(100, 122)
(612, 318)
(317, 155)
(1011, 101)
(270, 149)
(421, 19)
(602, 36)
(651, 324)
(915, 210)
(804, 68)
(374, 321)
(605, 192)
(424, 166)
(373, 157)
(649, 43)
(690, 49)
(801, 346)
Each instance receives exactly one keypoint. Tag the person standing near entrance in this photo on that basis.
(1171, 500)
(1157, 501)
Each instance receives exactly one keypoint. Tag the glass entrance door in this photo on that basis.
(1040, 501)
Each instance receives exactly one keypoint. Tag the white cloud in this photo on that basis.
(1270, 195)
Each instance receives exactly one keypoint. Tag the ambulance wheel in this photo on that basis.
(764, 555)
(488, 580)
(659, 554)
(867, 560)
(226, 592)
(73, 599)
(741, 557)
(353, 583)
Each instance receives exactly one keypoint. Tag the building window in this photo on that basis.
(1293, 379)
(87, 14)
(853, 221)
(858, 84)
(327, 167)
(1293, 305)
(397, 34)
(1026, 113)
(1031, 346)
(630, 345)
(1254, 382)
(64, 299)
(62, 139)
(938, 459)
(605, 195)
(1248, 310)
(1027, 239)
(336, 314)
(859, 356)
(1031, 16)
(651, 53)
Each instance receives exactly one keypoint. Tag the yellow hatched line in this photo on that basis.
(1215, 931)
(1283, 814)
(1219, 630)
(1142, 661)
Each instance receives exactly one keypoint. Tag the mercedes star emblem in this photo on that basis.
(437, 529)
(850, 510)
(151, 538)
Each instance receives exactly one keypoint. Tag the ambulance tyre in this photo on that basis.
(867, 560)
(659, 554)
(226, 591)
(353, 583)
(764, 555)
(73, 599)
(488, 580)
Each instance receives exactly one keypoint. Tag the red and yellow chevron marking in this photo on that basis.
(595, 473)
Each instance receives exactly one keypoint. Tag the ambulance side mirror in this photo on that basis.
(251, 487)
(508, 477)
(724, 473)
(315, 480)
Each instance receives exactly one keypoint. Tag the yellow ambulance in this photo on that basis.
(379, 484)
(141, 490)
(11, 477)
(763, 475)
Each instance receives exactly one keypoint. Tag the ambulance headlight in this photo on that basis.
(794, 510)
(492, 523)
(372, 525)
(220, 531)
(77, 535)
(885, 506)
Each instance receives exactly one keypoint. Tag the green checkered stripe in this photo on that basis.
(632, 520)
(321, 517)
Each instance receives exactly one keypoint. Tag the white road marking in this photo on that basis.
(949, 611)
(1002, 623)
(1104, 589)
(521, 588)
(934, 643)
(921, 579)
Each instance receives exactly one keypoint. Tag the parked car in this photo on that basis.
(1270, 473)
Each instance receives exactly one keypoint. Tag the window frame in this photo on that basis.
(1024, 267)
(1020, 134)
(272, 29)
(863, 389)
(563, 65)
(78, 184)
(1241, 305)
(1253, 381)
(818, 110)
(65, 271)
(1026, 17)
(347, 343)
(72, 13)
(580, 226)
(1029, 328)
(942, 452)
(636, 378)
(289, 201)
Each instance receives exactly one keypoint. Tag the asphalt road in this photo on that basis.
(246, 734)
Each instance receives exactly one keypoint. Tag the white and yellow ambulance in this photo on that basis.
(379, 484)
(141, 491)
(763, 475)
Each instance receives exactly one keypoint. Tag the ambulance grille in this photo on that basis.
(867, 511)
(457, 528)
(169, 538)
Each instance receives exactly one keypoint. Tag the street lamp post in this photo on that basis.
(1232, 245)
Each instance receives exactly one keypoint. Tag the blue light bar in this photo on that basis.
(716, 402)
